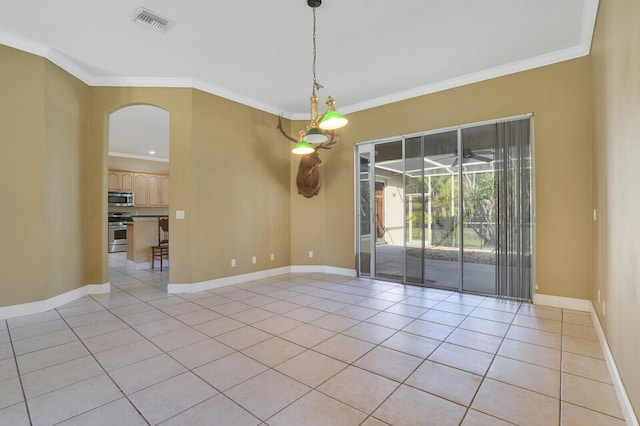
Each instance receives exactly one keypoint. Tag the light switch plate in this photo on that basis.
(179, 214)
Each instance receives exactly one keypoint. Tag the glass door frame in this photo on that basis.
(369, 147)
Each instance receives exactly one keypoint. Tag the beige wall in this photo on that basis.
(66, 113)
(240, 189)
(616, 158)
(231, 173)
(42, 117)
(559, 97)
(22, 169)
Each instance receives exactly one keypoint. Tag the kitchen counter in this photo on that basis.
(151, 215)
(141, 235)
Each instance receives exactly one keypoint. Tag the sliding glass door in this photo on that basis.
(364, 207)
(442, 193)
(450, 209)
(478, 188)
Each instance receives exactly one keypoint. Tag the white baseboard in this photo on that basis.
(237, 279)
(587, 306)
(324, 269)
(562, 302)
(621, 392)
(54, 302)
(138, 266)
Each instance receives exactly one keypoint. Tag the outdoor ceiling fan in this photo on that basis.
(468, 153)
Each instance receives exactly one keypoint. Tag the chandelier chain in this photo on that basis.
(316, 86)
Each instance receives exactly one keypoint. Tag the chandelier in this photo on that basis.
(316, 131)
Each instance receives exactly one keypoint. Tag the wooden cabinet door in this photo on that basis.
(126, 181)
(164, 191)
(113, 181)
(120, 181)
(154, 191)
(140, 189)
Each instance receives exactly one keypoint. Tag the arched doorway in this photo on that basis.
(137, 185)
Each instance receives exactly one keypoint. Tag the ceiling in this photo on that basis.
(259, 53)
(139, 131)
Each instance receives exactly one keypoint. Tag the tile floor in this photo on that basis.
(301, 349)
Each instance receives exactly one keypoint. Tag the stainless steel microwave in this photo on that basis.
(120, 198)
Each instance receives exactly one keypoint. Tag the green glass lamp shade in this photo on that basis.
(333, 120)
(315, 135)
(302, 148)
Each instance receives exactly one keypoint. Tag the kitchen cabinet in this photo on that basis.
(164, 191)
(151, 190)
(120, 180)
(141, 189)
(157, 191)
(154, 190)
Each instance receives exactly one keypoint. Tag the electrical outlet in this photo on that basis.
(604, 307)
(598, 295)
(233, 263)
(595, 215)
(310, 253)
(253, 260)
(273, 257)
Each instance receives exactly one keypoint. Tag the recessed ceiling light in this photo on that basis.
(152, 152)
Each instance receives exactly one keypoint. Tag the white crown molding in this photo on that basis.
(24, 44)
(589, 23)
(138, 157)
(236, 97)
(512, 68)
(583, 49)
(125, 81)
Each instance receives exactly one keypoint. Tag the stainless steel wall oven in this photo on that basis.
(117, 239)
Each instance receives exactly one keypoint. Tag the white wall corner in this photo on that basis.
(54, 302)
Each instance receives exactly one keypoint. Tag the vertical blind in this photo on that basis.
(512, 147)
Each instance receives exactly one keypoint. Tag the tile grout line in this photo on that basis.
(15, 360)
(106, 373)
(304, 322)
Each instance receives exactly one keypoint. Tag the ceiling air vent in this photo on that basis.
(152, 20)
